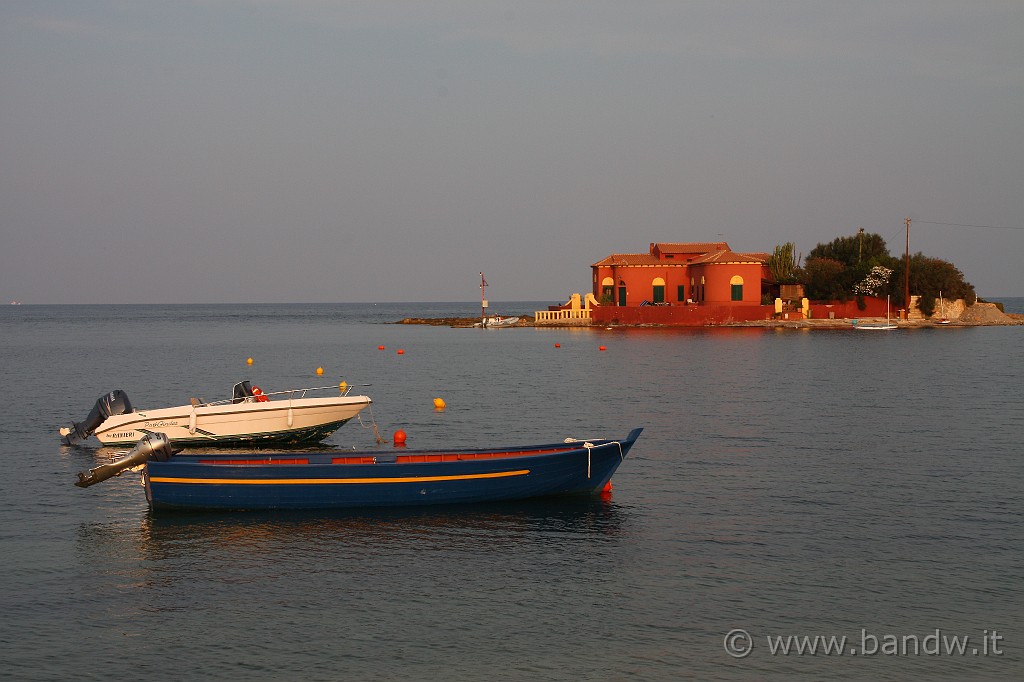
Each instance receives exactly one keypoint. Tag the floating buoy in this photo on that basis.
(439, 403)
(602, 348)
(400, 351)
(607, 487)
(319, 371)
(380, 347)
(342, 386)
(558, 345)
(399, 438)
(249, 361)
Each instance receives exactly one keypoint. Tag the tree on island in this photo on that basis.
(782, 264)
(861, 265)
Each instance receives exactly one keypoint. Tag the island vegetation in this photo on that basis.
(861, 265)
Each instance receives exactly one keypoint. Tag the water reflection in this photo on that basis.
(497, 523)
(249, 538)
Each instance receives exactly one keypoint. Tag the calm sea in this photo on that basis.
(788, 484)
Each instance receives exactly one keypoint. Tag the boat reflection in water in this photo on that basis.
(237, 543)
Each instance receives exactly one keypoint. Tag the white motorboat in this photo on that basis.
(249, 417)
(499, 321)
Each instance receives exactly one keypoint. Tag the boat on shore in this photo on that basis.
(248, 417)
(878, 326)
(497, 321)
(348, 479)
(942, 311)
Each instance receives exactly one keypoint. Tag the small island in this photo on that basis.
(847, 282)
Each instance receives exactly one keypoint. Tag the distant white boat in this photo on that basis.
(872, 326)
(499, 321)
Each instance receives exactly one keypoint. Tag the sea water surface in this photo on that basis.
(788, 483)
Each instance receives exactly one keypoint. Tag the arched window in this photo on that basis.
(658, 294)
(737, 287)
(607, 290)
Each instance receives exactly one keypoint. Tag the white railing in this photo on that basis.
(556, 315)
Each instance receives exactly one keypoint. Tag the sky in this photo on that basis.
(245, 151)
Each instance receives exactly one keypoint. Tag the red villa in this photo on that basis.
(682, 274)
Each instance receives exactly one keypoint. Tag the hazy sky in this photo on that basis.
(304, 150)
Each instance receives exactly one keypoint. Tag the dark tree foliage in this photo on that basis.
(826, 279)
(831, 271)
(853, 251)
(928, 277)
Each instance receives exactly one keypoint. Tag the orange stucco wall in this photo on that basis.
(716, 288)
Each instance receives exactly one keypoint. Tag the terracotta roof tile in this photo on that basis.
(692, 247)
(629, 259)
(725, 257)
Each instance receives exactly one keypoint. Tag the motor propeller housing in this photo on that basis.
(115, 402)
(153, 446)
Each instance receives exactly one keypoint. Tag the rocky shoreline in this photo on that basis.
(978, 315)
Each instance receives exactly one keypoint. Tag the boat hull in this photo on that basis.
(334, 480)
(301, 420)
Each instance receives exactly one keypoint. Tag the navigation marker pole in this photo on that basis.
(906, 272)
(483, 301)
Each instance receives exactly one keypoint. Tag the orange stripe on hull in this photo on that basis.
(333, 481)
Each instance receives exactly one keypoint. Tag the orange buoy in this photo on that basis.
(399, 438)
(380, 347)
(400, 351)
(439, 403)
(602, 348)
(259, 394)
(249, 361)
(319, 371)
(607, 487)
(558, 345)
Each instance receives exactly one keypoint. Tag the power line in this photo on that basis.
(985, 227)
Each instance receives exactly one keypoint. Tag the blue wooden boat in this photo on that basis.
(338, 479)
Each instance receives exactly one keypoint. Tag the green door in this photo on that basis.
(622, 296)
(737, 292)
(659, 293)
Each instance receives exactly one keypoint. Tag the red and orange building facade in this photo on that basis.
(674, 274)
(695, 284)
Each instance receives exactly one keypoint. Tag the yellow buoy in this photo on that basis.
(249, 361)
(319, 371)
(439, 403)
(342, 386)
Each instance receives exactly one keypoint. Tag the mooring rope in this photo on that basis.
(588, 445)
(376, 431)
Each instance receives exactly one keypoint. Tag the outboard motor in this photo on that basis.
(241, 393)
(115, 402)
(153, 446)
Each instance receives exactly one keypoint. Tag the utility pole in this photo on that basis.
(906, 272)
(860, 246)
